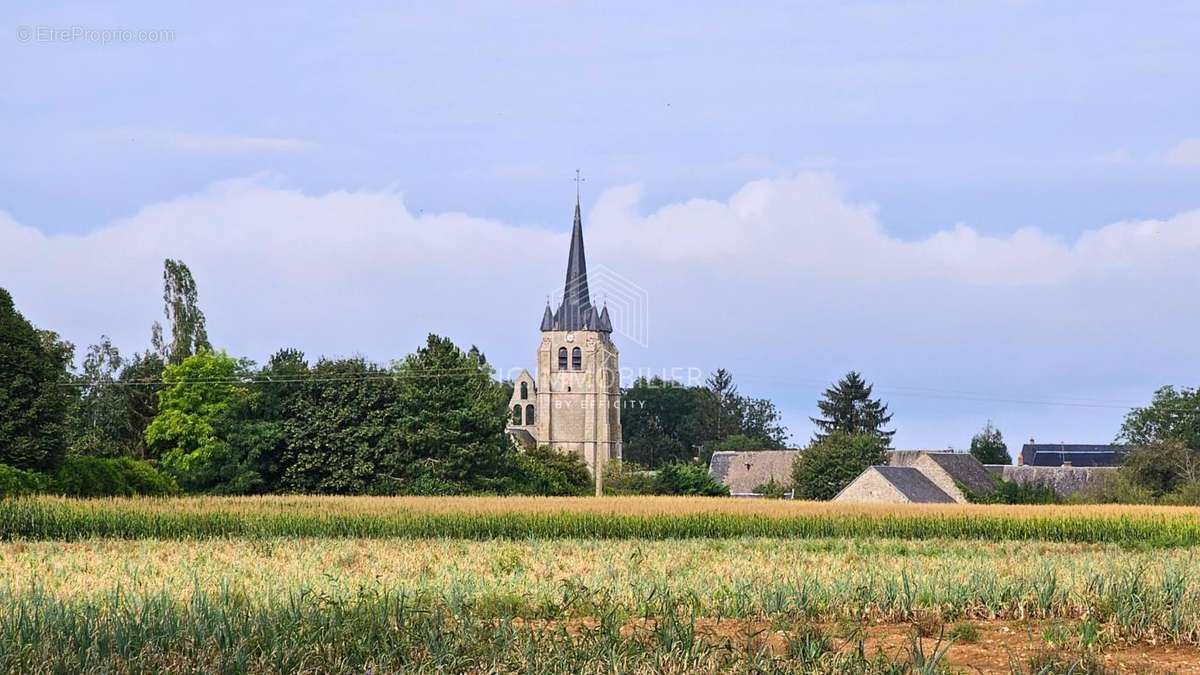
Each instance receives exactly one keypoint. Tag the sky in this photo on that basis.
(991, 210)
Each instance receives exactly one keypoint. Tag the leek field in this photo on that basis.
(352, 585)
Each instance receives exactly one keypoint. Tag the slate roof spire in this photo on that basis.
(576, 311)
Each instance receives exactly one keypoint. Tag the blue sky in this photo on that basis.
(989, 208)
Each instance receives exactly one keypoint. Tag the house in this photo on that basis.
(953, 472)
(1065, 480)
(743, 472)
(1062, 454)
(893, 485)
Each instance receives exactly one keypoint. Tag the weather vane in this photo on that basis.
(578, 180)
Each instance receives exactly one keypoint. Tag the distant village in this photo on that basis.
(929, 476)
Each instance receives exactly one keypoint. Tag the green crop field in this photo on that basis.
(614, 585)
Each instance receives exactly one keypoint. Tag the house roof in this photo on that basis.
(743, 472)
(1065, 480)
(962, 467)
(1056, 454)
(966, 470)
(913, 484)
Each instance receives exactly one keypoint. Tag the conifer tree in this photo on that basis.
(847, 407)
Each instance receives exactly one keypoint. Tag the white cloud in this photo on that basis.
(202, 143)
(1187, 153)
(787, 281)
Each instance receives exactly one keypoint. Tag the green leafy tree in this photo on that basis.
(199, 393)
(988, 446)
(189, 332)
(761, 420)
(98, 422)
(661, 421)
(1163, 442)
(33, 401)
(448, 425)
(847, 407)
(1173, 415)
(338, 422)
(829, 464)
(139, 384)
(433, 425)
(680, 478)
(546, 472)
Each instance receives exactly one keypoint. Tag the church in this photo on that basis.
(574, 403)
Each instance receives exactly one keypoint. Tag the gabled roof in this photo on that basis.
(964, 469)
(913, 484)
(743, 472)
(1056, 454)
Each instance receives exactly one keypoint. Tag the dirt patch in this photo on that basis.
(970, 647)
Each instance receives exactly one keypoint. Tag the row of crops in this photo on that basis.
(65, 519)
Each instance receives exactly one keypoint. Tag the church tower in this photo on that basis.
(575, 403)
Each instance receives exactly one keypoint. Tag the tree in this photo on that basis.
(988, 446)
(33, 398)
(661, 421)
(847, 407)
(546, 472)
(448, 427)
(140, 382)
(99, 420)
(830, 463)
(189, 333)
(338, 422)
(1173, 414)
(723, 412)
(432, 425)
(680, 478)
(190, 431)
(762, 420)
(1164, 441)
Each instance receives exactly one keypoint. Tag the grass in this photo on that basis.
(609, 518)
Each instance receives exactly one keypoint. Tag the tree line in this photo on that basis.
(431, 423)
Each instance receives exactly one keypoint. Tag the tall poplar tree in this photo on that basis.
(189, 333)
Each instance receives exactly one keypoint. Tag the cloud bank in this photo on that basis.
(787, 281)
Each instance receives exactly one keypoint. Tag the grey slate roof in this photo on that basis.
(965, 469)
(1056, 454)
(576, 311)
(742, 472)
(913, 484)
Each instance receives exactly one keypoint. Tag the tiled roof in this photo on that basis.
(913, 484)
(964, 469)
(742, 472)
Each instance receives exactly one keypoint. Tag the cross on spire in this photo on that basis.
(578, 180)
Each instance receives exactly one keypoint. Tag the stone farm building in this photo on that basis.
(744, 472)
(893, 485)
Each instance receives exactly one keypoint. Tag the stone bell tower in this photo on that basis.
(575, 404)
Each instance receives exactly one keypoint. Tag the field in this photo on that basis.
(610, 585)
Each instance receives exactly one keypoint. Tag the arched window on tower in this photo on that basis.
(529, 418)
(524, 391)
(562, 358)
(577, 359)
(516, 415)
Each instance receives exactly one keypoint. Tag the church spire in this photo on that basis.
(576, 311)
(576, 306)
